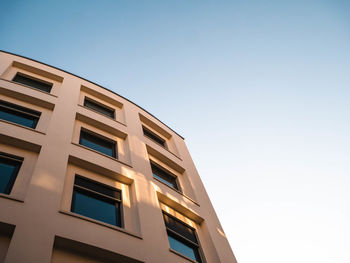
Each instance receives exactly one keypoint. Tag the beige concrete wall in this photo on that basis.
(39, 204)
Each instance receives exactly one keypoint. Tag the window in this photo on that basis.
(9, 168)
(164, 176)
(99, 108)
(95, 200)
(182, 238)
(98, 143)
(34, 83)
(18, 114)
(154, 137)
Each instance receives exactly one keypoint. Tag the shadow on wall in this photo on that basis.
(6, 232)
(66, 250)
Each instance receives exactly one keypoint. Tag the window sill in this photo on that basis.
(105, 155)
(100, 223)
(183, 256)
(25, 127)
(11, 198)
(47, 93)
(102, 115)
(181, 193)
(166, 149)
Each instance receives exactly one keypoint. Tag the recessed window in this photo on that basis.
(18, 114)
(154, 137)
(97, 201)
(182, 238)
(32, 82)
(164, 176)
(98, 143)
(9, 168)
(99, 108)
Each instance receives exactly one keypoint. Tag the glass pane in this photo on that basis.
(18, 117)
(92, 105)
(180, 228)
(97, 144)
(165, 180)
(153, 136)
(7, 171)
(33, 83)
(97, 187)
(182, 248)
(95, 207)
(164, 176)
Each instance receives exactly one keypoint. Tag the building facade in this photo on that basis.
(88, 176)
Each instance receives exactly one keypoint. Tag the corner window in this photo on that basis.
(32, 82)
(18, 114)
(99, 108)
(97, 201)
(164, 176)
(9, 168)
(98, 143)
(182, 238)
(154, 137)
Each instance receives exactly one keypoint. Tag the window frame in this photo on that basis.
(184, 240)
(11, 158)
(152, 134)
(20, 74)
(21, 111)
(101, 196)
(98, 104)
(101, 137)
(167, 172)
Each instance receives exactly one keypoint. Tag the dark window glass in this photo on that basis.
(9, 168)
(154, 137)
(182, 248)
(17, 114)
(99, 108)
(90, 200)
(34, 83)
(164, 176)
(101, 188)
(180, 228)
(98, 143)
(182, 238)
(93, 206)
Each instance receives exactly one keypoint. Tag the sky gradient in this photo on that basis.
(259, 89)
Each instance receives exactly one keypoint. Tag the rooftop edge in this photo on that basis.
(94, 83)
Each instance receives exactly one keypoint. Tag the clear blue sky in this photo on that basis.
(259, 89)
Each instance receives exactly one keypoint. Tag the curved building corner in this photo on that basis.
(88, 176)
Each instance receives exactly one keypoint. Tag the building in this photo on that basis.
(88, 176)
